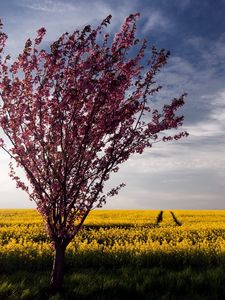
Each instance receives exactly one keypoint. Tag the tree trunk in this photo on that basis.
(57, 269)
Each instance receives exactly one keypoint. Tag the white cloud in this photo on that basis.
(156, 21)
(48, 6)
(218, 111)
(171, 157)
(178, 174)
(212, 54)
(58, 17)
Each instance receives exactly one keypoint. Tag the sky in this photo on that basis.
(186, 174)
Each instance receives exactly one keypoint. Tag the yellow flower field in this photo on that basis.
(135, 232)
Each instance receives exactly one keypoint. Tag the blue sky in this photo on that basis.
(189, 174)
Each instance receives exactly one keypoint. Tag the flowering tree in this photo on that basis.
(73, 113)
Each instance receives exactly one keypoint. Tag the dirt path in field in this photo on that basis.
(161, 216)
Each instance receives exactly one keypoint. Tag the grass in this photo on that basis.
(120, 283)
(143, 277)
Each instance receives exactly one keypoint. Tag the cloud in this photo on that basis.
(189, 173)
(171, 190)
(58, 17)
(210, 52)
(48, 6)
(156, 21)
(218, 111)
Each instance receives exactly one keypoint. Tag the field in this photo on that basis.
(118, 255)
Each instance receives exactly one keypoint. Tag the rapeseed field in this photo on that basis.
(22, 233)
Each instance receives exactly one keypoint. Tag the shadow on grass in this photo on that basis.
(10, 263)
(123, 283)
(98, 275)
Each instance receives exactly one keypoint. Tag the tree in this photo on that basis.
(73, 113)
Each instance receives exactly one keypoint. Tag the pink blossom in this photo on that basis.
(75, 113)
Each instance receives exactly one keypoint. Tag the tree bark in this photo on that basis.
(57, 269)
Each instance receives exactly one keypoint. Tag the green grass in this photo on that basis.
(122, 283)
(98, 276)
